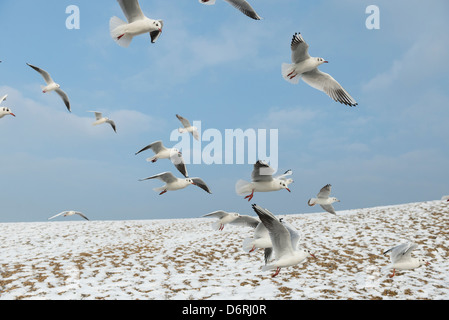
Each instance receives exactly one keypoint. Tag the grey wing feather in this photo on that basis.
(326, 83)
(64, 97)
(155, 146)
(165, 176)
(43, 73)
(247, 220)
(200, 183)
(300, 48)
(182, 168)
(268, 252)
(131, 9)
(329, 208)
(279, 234)
(82, 215)
(401, 250)
(184, 121)
(112, 123)
(262, 172)
(245, 8)
(325, 192)
(217, 214)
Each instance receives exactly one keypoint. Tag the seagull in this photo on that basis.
(306, 67)
(401, 258)
(173, 183)
(52, 86)
(324, 200)
(69, 213)
(261, 238)
(284, 240)
(161, 152)
(188, 127)
(241, 5)
(100, 120)
(138, 24)
(232, 218)
(4, 111)
(262, 181)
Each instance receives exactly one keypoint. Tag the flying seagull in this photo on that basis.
(161, 152)
(401, 258)
(188, 127)
(69, 213)
(232, 218)
(284, 242)
(262, 180)
(324, 200)
(138, 24)
(4, 111)
(241, 5)
(100, 120)
(173, 183)
(52, 86)
(306, 67)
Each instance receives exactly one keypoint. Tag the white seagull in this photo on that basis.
(306, 67)
(241, 5)
(324, 200)
(100, 120)
(188, 127)
(401, 258)
(4, 111)
(52, 86)
(69, 213)
(284, 240)
(232, 218)
(138, 24)
(262, 181)
(161, 152)
(173, 183)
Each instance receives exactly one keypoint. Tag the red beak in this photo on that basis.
(313, 255)
(288, 189)
(12, 114)
(326, 61)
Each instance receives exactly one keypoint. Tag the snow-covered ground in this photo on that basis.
(185, 259)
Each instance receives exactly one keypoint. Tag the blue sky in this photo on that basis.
(215, 65)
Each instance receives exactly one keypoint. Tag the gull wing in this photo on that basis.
(326, 83)
(43, 73)
(167, 177)
(200, 183)
(64, 97)
(132, 10)
(279, 234)
(328, 207)
(184, 121)
(156, 147)
(244, 7)
(3, 98)
(247, 221)
(324, 192)
(81, 215)
(217, 214)
(57, 215)
(262, 172)
(300, 48)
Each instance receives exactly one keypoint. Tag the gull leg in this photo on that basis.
(119, 37)
(277, 272)
(250, 196)
(254, 248)
(154, 160)
(392, 275)
(162, 192)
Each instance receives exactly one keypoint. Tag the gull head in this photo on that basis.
(190, 181)
(284, 185)
(423, 262)
(7, 111)
(308, 253)
(333, 199)
(320, 61)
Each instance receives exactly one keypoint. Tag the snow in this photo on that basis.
(185, 259)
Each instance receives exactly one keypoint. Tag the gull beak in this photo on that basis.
(427, 263)
(313, 255)
(12, 114)
(326, 61)
(288, 189)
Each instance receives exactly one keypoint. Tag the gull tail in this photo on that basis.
(159, 189)
(268, 267)
(182, 130)
(287, 73)
(117, 30)
(248, 244)
(242, 187)
(216, 225)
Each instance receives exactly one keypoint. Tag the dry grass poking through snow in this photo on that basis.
(186, 259)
